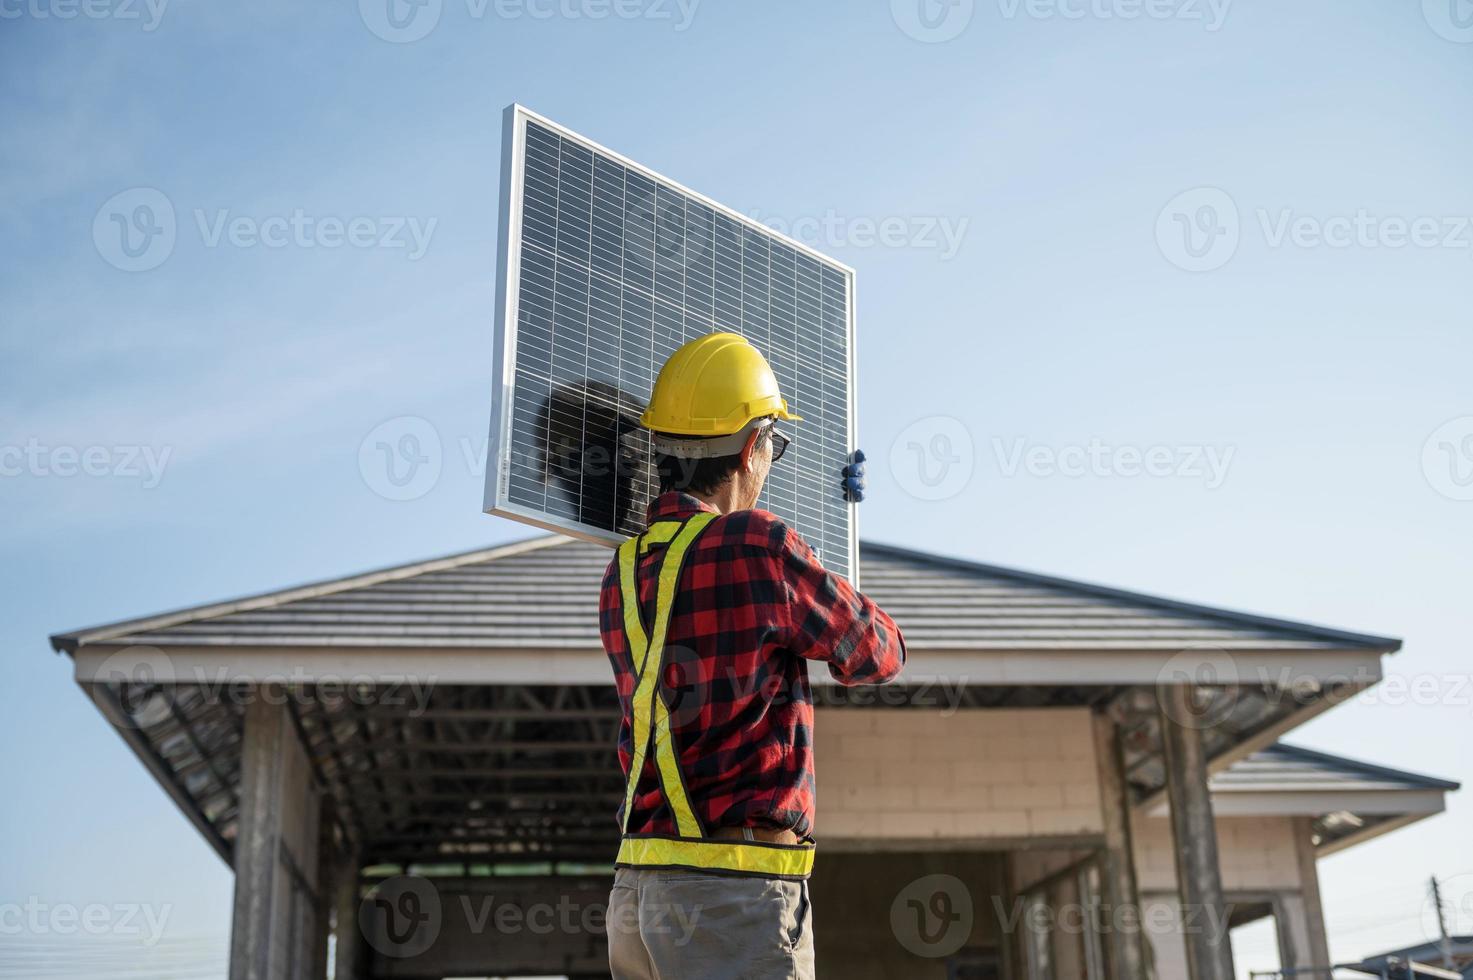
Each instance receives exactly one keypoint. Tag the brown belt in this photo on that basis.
(758, 833)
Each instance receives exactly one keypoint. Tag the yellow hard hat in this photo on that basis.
(713, 386)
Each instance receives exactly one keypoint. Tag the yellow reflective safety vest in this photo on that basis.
(689, 848)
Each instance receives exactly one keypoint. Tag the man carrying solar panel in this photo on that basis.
(708, 618)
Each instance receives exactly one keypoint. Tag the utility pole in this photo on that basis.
(1447, 949)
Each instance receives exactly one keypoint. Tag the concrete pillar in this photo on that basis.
(328, 863)
(1125, 943)
(1194, 836)
(1304, 915)
(275, 853)
(350, 963)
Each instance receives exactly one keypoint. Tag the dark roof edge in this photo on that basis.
(1384, 644)
(1364, 768)
(69, 642)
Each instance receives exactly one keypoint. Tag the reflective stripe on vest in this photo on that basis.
(689, 848)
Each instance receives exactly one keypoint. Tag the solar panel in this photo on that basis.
(605, 269)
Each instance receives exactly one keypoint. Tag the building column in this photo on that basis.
(1305, 916)
(275, 846)
(1125, 940)
(350, 963)
(1194, 837)
(328, 864)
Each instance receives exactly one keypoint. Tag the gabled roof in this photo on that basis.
(542, 593)
(1394, 963)
(1349, 801)
(1291, 769)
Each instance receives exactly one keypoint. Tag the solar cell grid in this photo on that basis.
(606, 269)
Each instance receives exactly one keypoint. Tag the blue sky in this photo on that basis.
(1035, 300)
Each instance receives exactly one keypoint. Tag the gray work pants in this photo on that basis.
(691, 925)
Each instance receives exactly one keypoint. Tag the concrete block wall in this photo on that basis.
(1256, 853)
(912, 774)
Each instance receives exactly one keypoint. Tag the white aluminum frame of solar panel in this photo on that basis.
(806, 499)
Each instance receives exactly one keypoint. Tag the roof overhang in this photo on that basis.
(1300, 673)
(523, 695)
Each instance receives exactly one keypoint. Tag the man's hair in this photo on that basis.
(700, 475)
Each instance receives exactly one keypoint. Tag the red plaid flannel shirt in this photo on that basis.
(753, 605)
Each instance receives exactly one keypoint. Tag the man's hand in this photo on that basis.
(854, 478)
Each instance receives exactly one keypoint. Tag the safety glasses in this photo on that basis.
(780, 443)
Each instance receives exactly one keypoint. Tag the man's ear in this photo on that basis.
(749, 448)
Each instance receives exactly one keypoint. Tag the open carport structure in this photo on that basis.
(397, 757)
